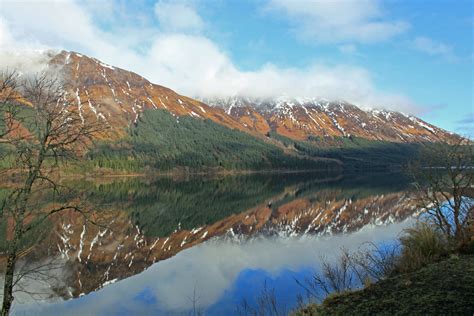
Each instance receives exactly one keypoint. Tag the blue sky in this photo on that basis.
(410, 55)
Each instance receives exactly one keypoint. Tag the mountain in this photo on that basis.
(153, 126)
(120, 96)
(303, 118)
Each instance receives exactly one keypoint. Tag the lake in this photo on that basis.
(206, 244)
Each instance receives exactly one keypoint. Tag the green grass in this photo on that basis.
(441, 288)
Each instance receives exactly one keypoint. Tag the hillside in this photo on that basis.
(163, 141)
(429, 291)
(153, 126)
(303, 118)
(120, 96)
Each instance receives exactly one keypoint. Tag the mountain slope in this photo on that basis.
(152, 126)
(231, 133)
(303, 118)
(162, 141)
(120, 96)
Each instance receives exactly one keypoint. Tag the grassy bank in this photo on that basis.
(445, 287)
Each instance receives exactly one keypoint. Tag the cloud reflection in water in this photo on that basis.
(218, 271)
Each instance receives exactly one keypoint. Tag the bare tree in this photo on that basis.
(443, 179)
(374, 262)
(42, 129)
(8, 110)
(351, 270)
(336, 277)
(266, 303)
(8, 94)
(196, 311)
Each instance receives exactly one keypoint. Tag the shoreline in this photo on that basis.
(9, 180)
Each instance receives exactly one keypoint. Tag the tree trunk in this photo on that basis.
(10, 269)
(8, 286)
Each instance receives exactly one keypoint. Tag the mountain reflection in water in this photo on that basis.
(217, 240)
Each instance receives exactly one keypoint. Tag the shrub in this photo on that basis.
(375, 262)
(421, 244)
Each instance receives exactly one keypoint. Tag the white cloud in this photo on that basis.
(339, 21)
(197, 67)
(189, 63)
(348, 49)
(61, 24)
(52, 24)
(175, 16)
(434, 48)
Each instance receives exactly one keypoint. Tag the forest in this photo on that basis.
(161, 141)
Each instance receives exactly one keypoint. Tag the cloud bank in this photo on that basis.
(173, 50)
(339, 21)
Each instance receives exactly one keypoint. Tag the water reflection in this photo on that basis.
(223, 272)
(212, 235)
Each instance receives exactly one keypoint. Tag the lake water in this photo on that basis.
(175, 246)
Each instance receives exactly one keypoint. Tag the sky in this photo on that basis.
(414, 56)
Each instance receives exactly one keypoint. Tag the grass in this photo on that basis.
(421, 244)
(428, 276)
(445, 287)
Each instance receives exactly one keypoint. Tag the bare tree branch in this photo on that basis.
(41, 128)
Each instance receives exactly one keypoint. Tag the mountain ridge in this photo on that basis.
(125, 95)
(300, 118)
(121, 96)
(153, 126)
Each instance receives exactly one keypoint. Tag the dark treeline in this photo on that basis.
(162, 141)
(356, 153)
